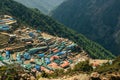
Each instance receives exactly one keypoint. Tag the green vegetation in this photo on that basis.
(83, 66)
(10, 72)
(34, 18)
(115, 67)
(57, 73)
(98, 20)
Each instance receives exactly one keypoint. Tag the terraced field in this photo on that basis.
(3, 38)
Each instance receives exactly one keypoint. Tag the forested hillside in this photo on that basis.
(44, 5)
(98, 20)
(34, 18)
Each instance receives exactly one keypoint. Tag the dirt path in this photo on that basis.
(77, 77)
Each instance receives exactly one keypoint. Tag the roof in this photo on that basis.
(8, 48)
(4, 25)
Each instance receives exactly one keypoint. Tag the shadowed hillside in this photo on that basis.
(99, 20)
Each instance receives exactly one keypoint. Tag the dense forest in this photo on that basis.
(98, 20)
(34, 18)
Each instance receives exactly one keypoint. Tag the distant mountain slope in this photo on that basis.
(99, 20)
(44, 5)
(34, 18)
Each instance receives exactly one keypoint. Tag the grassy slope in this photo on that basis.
(3, 39)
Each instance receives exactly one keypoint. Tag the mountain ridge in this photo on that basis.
(44, 5)
(97, 20)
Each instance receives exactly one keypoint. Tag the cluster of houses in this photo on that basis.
(5, 22)
(46, 54)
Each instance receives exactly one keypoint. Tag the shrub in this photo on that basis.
(83, 66)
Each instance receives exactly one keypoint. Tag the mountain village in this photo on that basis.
(37, 51)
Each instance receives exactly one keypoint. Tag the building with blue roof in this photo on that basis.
(4, 27)
(2, 22)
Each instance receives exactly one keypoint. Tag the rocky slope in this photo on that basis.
(99, 20)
